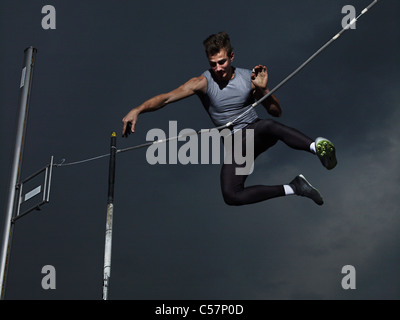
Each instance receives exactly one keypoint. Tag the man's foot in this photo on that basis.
(326, 152)
(303, 188)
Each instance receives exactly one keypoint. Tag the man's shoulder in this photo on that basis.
(243, 71)
(206, 73)
(197, 84)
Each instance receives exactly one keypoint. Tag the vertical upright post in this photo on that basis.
(109, 222)
(25, 90)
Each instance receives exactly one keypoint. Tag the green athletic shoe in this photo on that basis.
(303, 188)
(326, 152)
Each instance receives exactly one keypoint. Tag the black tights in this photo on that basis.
(267, 132)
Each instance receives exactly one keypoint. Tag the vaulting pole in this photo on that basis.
(290, 76)
(109, 222)
(25, 90)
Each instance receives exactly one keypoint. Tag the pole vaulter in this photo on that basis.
(127, 128)
(228, 94)
(63, 162)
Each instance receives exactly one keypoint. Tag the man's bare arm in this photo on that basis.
(271, 104)
(191, 87)
(259, 79)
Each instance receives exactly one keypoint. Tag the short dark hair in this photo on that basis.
(215, 42)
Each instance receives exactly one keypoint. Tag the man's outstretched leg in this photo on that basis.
(322, 147)
(266, 134)
(236, 194)
(301, 187)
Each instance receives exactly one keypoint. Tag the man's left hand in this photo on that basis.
(259, 77)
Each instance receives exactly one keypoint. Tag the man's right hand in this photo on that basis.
(129, 122)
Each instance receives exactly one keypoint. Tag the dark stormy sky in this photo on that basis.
(174, 238)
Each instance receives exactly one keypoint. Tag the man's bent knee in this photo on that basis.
(232, 200)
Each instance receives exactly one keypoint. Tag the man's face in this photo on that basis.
(221, 65)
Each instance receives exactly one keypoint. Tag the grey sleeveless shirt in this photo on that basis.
(225, 102)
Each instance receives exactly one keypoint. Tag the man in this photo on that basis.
(225, 92)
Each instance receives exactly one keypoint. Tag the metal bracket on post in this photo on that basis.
(43, 188)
